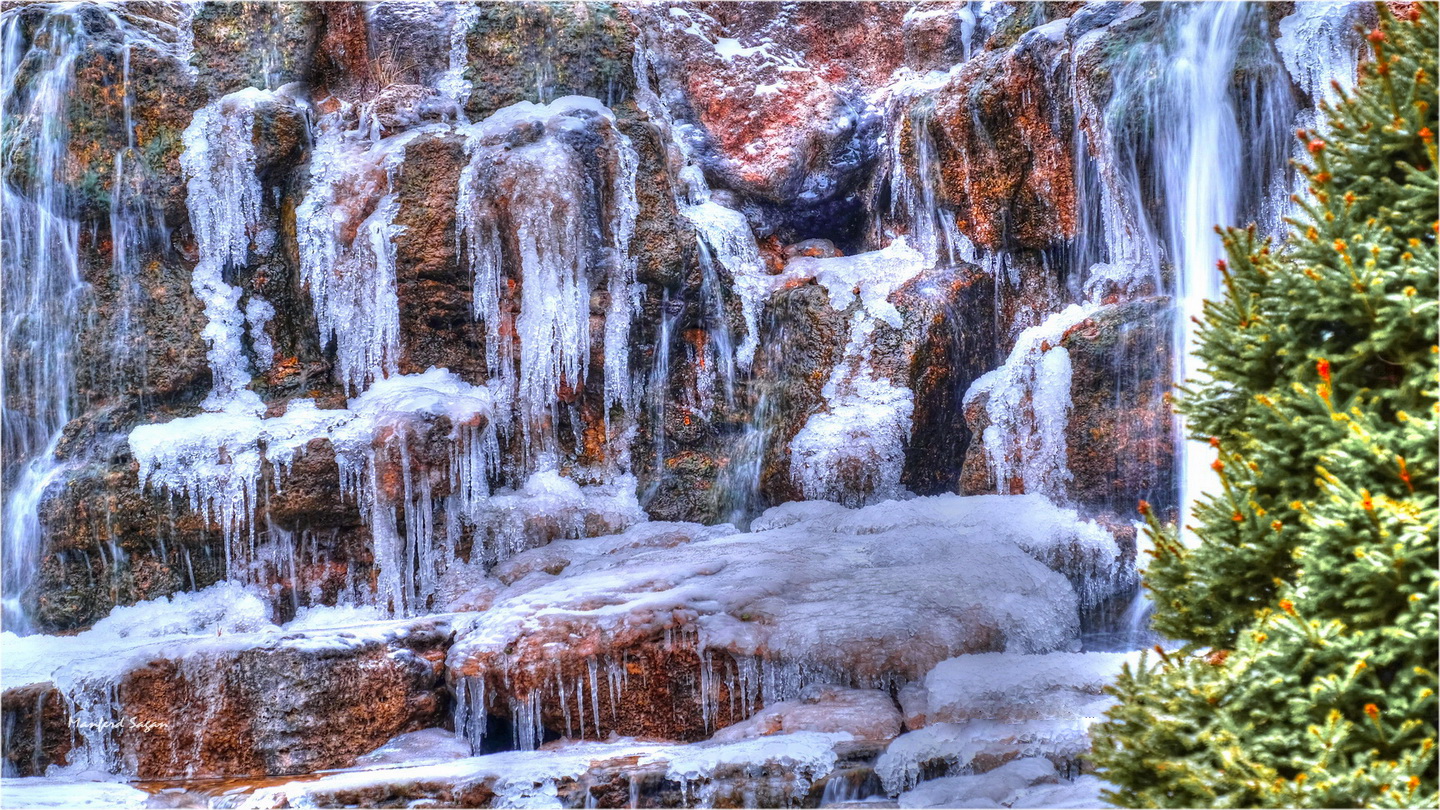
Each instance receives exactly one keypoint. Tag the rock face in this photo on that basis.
(710, 434)
(1003, 144)
(254, 703)
(774, 100)
(285, 710)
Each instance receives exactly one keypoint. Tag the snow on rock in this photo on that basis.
(550, 506)
(973, 712)
(868, 597)
(1086, 553)
(1000, 686)
(1027, 401)
(66, 793)
(773, 771)
(1027, 782)
(207, 666)
(980, 745)
(866, 714)
(853, 449)
(221, 609)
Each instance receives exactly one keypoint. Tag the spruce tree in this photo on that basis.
(1307, 605)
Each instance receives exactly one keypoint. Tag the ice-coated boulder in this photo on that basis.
(584, 632)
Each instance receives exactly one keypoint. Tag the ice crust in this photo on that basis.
(1025, 782)
(533, 778)
(1000, 686)
(66, 793)
(871, 597)
(1319, 45)
(196, 629)
(347, 256)
(852, 450)
(1028, 406)
(987, 705)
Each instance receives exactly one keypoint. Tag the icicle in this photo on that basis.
(224, 198)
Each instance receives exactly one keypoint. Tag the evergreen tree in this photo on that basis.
(1308, 602)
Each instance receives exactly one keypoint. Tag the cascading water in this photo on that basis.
(45, 295)
(1206, 133)
(43, 287)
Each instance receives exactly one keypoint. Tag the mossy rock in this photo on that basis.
(541, 51)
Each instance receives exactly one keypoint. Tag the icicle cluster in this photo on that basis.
(345, 227)
(529, 206)
(224, 198)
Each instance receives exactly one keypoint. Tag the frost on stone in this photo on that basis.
(1027, 402)
(528, 210)
(899, 587)
(852, 450)
(223, 195)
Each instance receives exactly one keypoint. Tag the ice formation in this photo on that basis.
(853, 449)
(223, 195)
(865, 714)
(1001, 686)
(194, 629)
(346, 230)
(932, 575)
(1321, 46)
(65, 793)
(528, 205)
(1028, 406)
(913, 191)
(704, 772)
(979, 705)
